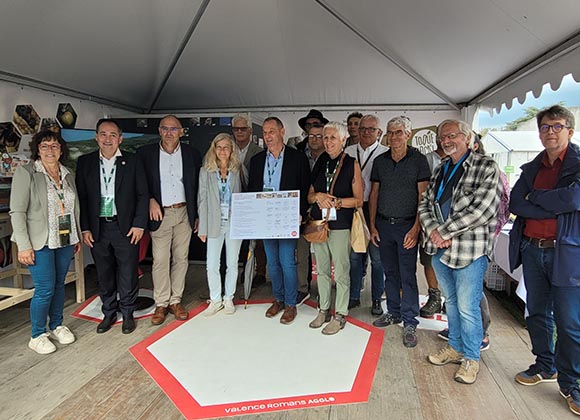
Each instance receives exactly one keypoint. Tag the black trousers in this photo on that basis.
(116, 261)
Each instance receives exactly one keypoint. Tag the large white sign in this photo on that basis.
(265, 215)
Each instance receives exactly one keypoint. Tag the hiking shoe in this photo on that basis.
(377, 309)
(321, 318)
(334, 326)
(572, 397)
(41, 344)
(386, 320)
(229, 307)
(213, 308)
(433, 304)
(446, 355)
(353, 303)
(410, 336)
(63, 335)
(534, 376)
(302, 297)
(444, 334)
(467, 372)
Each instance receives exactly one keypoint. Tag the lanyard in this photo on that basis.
(270, 173)
(59, 191)
(330, 176)
(223, 184)
(368, 158)
(444, 183)
(106, 181)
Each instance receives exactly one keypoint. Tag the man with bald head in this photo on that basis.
(171, 169)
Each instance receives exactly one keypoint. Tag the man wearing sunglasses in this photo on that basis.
(545, 239)
(172, 170)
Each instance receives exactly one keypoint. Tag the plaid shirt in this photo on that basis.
(473, 215)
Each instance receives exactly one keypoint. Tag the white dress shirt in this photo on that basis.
(365, 158)
(171, 174)
(107, 165)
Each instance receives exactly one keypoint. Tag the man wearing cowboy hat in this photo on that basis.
(313, 118)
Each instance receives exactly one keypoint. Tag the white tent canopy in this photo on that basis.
(192, 55)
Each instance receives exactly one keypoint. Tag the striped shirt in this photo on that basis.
(473, 215)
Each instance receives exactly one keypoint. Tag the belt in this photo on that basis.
(541, 243)
(175, 206)
(108, 219)
(395, 220)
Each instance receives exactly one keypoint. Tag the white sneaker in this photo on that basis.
(63, 335)
(41, 344)
(213, 308)
(229, 306)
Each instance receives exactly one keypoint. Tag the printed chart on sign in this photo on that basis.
(265, 215)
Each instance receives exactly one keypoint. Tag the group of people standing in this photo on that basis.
(451, 210)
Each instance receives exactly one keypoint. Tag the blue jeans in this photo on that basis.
(400, 271)
(281, 256)
(48, 273)
(214, 251)
(357, 264)
(462, 288)
(548, 305)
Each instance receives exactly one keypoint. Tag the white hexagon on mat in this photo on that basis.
(245, 363)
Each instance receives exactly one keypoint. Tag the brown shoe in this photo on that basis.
(159, 316)
(179, 311)
(275, 309)
(289, 315)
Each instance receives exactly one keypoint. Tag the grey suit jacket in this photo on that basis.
(208, 202)
(253, 149)
(29, 207)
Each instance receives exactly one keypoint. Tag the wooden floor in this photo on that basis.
(97, 378)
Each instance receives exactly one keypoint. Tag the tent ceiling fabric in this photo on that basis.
(259, 54)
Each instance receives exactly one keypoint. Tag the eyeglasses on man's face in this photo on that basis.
(450, 136)
(315, 136)
(241, 129)
(367, 129)
(172, 130)
(556, 128)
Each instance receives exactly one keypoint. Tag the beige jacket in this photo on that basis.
(29, 207)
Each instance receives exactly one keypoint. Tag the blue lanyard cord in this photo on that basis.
(105, 180)
(270, 173)
(444, 182)
(223, 184)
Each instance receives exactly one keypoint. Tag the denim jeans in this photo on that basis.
(400, 271)
(214, 250)
(547, 306)
(358, 262)
(48, 273)
(537, 266)
(281, 256)
(462, 288)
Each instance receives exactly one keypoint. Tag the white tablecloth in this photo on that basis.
(501, 258)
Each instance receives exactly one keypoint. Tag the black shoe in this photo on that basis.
(386, 320)
(433, 304)
(128, 324)
(377, 309)
(258, 280)
(301, 297)
(353, 303)
(410, 336)
(106, 324)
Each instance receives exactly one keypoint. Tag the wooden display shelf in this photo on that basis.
(17, 294)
